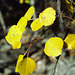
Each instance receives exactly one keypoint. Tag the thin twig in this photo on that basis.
(27, 50)
(60, 18)
(53, 3)
(68, 17)
(63, 39)
(2, 22)
(56, 65)
(60, 55)
(51, 28)
(34, 40)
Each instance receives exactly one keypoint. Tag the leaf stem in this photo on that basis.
(68, 17)
(56, 65)
(27, 50)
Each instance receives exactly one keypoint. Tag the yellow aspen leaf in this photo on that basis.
(16, 45)
(22, 23)
(21, 1)
(73, 22)
(72, 45)
(20, 58)
(13, 35)
(47, 17)
(70, 41)
(53, 47)
(26, 66)
(36, 24)
(69, 6)
(27, 1)
(29, 13)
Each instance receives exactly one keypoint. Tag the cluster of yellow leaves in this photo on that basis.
(70, 41)
(53, 46)
(46, 18)
(25, 66)
(15, 32)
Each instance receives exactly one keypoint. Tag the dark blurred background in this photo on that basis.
(10, 12)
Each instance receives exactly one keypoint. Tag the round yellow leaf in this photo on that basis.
(21, 1)
(29, 13)
(13, 35)
(22, 23)
(26, 66)
(20, 58)
(70, 41)
(47, 17)
(36, 24)
(53, 46)
(16, 45)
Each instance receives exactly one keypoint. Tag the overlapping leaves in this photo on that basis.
(46, 18)
(53, 46)
(15, 32)
(25, 66)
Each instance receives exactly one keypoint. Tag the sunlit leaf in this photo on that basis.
(70, 41)
(36, 24)
(21, 1)
(29, 13)
(53, 47)
(27, 1)
(69, 6)
(26, 66)
(73, 22)
(16, 45)
(72, 45)
(47, 17)
(22, 23)
(20, 58)
(13, 35)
